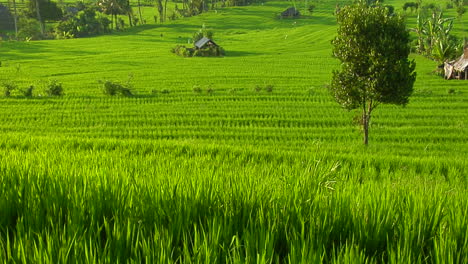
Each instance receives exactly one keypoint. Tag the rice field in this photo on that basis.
(229, 174)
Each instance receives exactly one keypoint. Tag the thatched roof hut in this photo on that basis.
(457, 69)
(205, 42)
(290, 13)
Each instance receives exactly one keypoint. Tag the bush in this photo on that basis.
(85, 23)
(54, 88)
(8, 87)
(29, 29)
(183, 51)
(203, 32)
(196, 89)
(165, 91)
(390, 9)
(268, 88)
(113, 88)
(411, 5)
(460, 10)
(311, 8)
(28, 92)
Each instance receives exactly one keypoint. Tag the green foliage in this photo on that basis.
(434, 38)
(116, 7)
(196, 89)
(307, 208)
(28, 92)
(29, 29)
(461, 10)
(210, 51)
(87, 22)
(114, 88)
(373, 48)
(183, 51)
(410, 5)
(230, 177)
(202, 32)
(49, 10)
(54, 88)
(8, 88)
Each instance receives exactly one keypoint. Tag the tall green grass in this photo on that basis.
(110, 201)
(233, 176)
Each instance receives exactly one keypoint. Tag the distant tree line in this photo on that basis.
(82, 19)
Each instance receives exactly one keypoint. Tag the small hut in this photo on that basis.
(290, 13)
(205, 43)
(457, 69)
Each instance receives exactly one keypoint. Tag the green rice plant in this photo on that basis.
(232, 177)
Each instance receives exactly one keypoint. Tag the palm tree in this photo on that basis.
(113, 8)
(15, 19)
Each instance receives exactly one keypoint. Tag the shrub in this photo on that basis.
(257, 88)
(411, 5)
(183, 51)
(85, 23)
(390, 9)
(8, 87)
(28, 92)
(196, 89)
(203, 32)
(209, 90)
(311, 8)
(29, 29)
(269, 88)
(460, 10)
(54, 88)
(113, 88)
(165, 91)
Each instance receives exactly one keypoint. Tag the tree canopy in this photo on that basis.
(373, 47)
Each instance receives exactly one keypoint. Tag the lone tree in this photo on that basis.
(373, 47)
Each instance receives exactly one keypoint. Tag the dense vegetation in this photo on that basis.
(204, 163)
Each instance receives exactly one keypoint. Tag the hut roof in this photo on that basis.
(462, 63)
(290, 12)
(203, 41)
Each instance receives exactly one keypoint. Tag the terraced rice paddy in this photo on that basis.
(228, 176)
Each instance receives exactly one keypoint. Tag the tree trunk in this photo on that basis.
(15, 19)
(160, 11)
(130, 19)
(38, 13)
(366, 116)
(129, 13)
(139, 12)
(365, 125)
(165, 10)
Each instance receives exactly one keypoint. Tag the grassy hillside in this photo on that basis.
(234, 175)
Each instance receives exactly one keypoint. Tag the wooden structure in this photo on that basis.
(205, 43)
(457, 69)
(290, 13)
